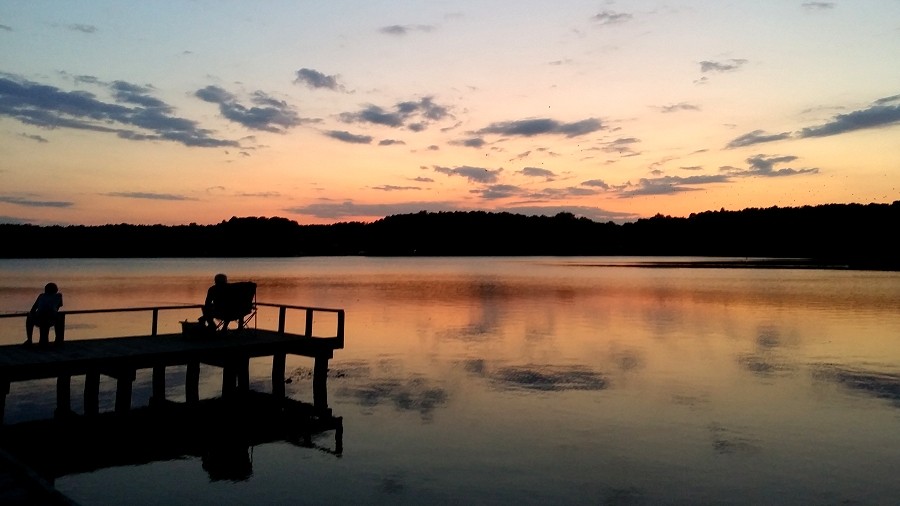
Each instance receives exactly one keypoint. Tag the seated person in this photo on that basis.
(44, 314)
(212, 308)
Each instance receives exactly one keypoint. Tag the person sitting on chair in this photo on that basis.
(44, 315)
(212, 307)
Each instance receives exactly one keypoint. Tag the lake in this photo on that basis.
(526, 381)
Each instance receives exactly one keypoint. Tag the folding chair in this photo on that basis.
(238, 304)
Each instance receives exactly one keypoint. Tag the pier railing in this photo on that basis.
(309, 314)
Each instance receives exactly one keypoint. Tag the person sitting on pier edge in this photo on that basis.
(214, 297)
(44, 314)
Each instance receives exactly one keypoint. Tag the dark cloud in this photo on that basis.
(499, 191)
(389, 142)
(473, 142)
(473, 174)
(345, 136)
(596, 183)
(756, 137)
(878, 115)
(28, 202)
(722, 66)
(669, 185)
(542, 126)
(6, 28)
(36, 138)
(762, 165)
(415, 115)
(682, 106)
(317, 80)
(50, 107)
(621, 146)
(611, 18)
(818, 5)
(77, 27)
(267, 114)
(421, 179)
(548, 175)
(401, 30)
(147, 196)
(390, 188)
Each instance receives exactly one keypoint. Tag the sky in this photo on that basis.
(177, 112)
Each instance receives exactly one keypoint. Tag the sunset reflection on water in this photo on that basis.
(536, 381)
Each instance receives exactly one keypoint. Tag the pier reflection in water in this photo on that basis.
(221, 432)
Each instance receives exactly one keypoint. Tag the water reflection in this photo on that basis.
(879, 384)
(220, 433)
(539, 377)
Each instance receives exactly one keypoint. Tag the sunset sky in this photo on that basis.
(321, 112)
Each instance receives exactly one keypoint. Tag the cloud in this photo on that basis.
(349, 209)
(548, 175)
(621, 146)
(542, 126)
(267, 114)
(762, 165)
(77, 27)
(389, 142)
(50, 107)
(597, 183)
(414, 114)
(400, 30)
(611, 18)
(670, 185)
(36, 138)
(6, 28)
(473, 142)
(682, 106)
(317, 80)
(878, 115)
(345, 136)
(818, 6)
(756, 137)
(147, 196)
(27, 202)
(473, 174)
(390, 188)
(725, 66)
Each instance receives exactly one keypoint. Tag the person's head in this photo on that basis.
(221, 279)
(51, 288)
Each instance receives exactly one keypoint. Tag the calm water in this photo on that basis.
(528, 381)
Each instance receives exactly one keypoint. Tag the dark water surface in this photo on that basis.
(525, 381)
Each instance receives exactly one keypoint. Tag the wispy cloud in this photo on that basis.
(682, 106)
(36, 138)
(543, 126)
(669, 185)
(548, 175)
(266, 113)
(722, 66)
(818, 6)
(756, 137)
(473, 174)
(77, 27)
(317, 80)
(344, 136)
(400, 30)
(147, 196)
(878, 115)
(415, 115)
(29, 202)
(611, 18)
(143, 118)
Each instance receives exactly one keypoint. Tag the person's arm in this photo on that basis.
(34, 307)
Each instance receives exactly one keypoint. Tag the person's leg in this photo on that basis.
(44, 331)
(29, 328)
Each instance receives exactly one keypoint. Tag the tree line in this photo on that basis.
(850, 235)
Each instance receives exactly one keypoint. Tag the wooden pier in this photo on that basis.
(121, 357)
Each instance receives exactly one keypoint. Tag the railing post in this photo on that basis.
(282, 314)
(309, 323)
(155, 321)
(59, 328)
(340, 328)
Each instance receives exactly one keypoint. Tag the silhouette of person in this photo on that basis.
(214, 297)
(44, 314)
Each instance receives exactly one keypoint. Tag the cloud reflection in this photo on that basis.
(882, 385)
(540, 377)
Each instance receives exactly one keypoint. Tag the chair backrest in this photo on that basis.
(238, 300)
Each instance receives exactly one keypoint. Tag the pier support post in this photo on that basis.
(92, 393)
(278, 363)
(192, 382)
(243, 374)
(320, 378)
(63, 395)
(124, 384)
(4, 391)
(159, 385)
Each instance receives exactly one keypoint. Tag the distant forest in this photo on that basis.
(852, 236)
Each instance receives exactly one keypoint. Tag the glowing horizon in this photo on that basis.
(175, 113)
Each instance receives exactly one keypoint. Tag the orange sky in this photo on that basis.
(177, 113)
